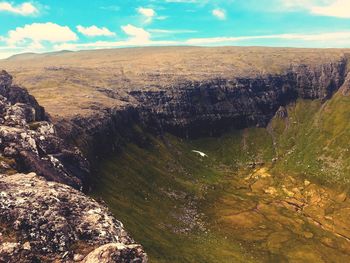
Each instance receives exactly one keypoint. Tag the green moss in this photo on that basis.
(238, 148)
(147, 188)
(314, 140)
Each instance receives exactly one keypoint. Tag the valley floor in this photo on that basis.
(187, 208)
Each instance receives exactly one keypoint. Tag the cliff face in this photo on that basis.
(194, 109)
(197, 109)
(29, 138)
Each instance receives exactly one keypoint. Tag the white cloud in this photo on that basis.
(321, 37)
(326, 39)
(339, 8)
(24, 9)
(9, 50)
(93, 31)
(334, 8)
(219, 13)
(112, 44)
(36, 33)
(147, 13)
(7, 54)
(140, 37)
(166, 31)
(221, 40)
(161, 17)
(296, 4)
(137, 34)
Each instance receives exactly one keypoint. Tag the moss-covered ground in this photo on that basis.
(260, 195)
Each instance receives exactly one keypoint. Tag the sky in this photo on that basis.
(53, 25)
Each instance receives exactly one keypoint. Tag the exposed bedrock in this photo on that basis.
(209, 108)
(28, 137)
(45, 221)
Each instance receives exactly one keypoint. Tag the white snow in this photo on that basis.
(202, 154)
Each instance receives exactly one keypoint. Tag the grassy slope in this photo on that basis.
(148, 188)
(138, 183)
(313, 141)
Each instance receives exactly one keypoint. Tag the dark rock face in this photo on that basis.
(46, 221)
(28, 137)
(15, 94)
(319, 82)
(194, 109)
(212, 107)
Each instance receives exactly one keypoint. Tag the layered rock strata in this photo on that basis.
(194, 109)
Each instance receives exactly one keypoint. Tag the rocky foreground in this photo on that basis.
(48, 221)
(41, 219)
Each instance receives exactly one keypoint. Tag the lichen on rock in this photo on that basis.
(52, 221)
(28, 137)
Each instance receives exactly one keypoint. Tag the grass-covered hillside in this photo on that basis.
(260, 195)
(314, 140)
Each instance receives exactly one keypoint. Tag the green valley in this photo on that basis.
(275, 194)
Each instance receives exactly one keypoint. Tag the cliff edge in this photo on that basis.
(42, 217)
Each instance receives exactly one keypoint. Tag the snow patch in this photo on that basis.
(202, 154)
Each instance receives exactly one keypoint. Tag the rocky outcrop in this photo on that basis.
(46, 221)
(28, 137)
(42, 218)
(116, 252)
(319, 82)
(345, 89)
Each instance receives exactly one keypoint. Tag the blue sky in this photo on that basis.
(51, 25)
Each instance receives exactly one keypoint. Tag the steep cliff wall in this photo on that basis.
(194, 109)
(214, 106)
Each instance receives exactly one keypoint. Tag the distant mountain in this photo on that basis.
(32, 55)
